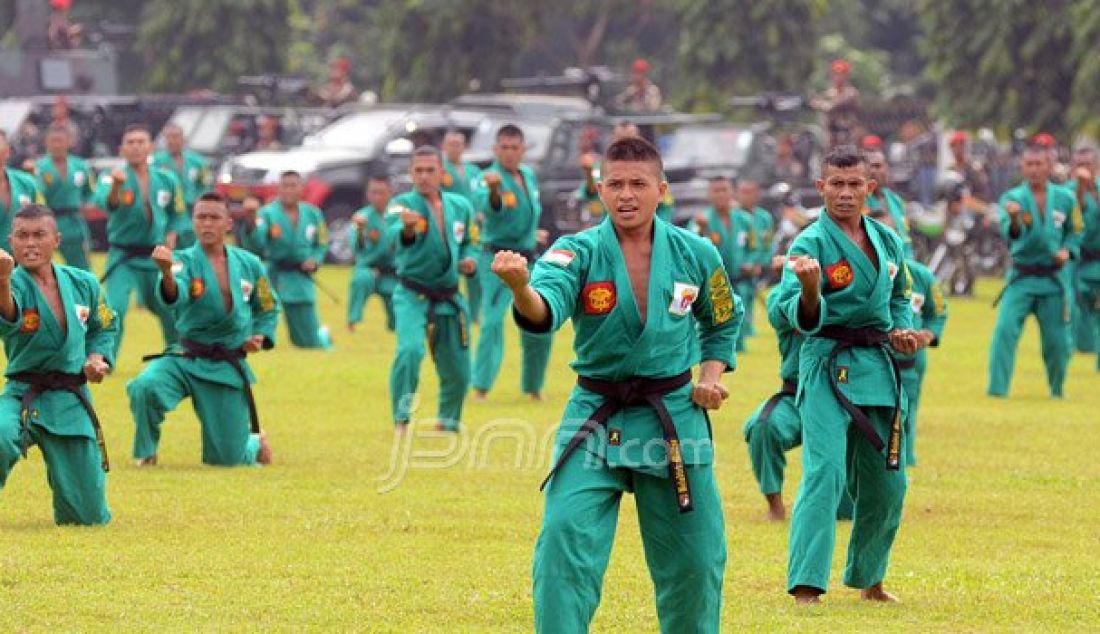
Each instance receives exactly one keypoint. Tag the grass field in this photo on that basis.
(999, 531)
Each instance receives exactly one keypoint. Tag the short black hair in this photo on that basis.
(213, 197)
(721, 179)
(843, 157)
(137, 127)
(460, 133)
(380, 178)
(290, 173)
(633, 149)
(511, 131)
(34, 212)
(428, 150)
(58, 128)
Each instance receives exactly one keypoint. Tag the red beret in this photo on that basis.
(959, 136)
(841, 67)
(871, 141)
(1045, 140)
(640, 66)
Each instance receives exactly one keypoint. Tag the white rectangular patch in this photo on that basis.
(1059, 219)
(163, 198)
(683, 296)
(82, 313)
(459, 231)
(892, 270)
(311, 230)
(917, 302)
(561, 257)
(246, 290)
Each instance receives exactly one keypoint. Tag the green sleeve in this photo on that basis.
(1006, 220)
(718, 311)
(901, 295)
(776, 317)
(102, 328)
(87, 193)
(934, 311)
(10, 327)
(179, 220)
(265, 305)
(466, 248)
(1073, 229)
(103, 193)
(182, 273)
(481, 195)
(557, 278)
(254, 238)
(764, 254)
(320, 246)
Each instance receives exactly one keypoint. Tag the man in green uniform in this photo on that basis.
(17, 188)
(373, 247)
(193, 173)
(648, 301)
(463, 178)
(58, 334)
(142, 204)
(1087, 268)
(757, 243)
(292, 236)
(929, 319)
(730, 233)
(428, 227)
(884, 198)
(68, 184)
(589, 196)
(225, 309)
(846, 290)
(509, 201)
(1042, 223)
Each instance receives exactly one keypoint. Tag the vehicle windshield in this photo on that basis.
(358, 131)
(535, 134)
(708, 146)
(12, 115)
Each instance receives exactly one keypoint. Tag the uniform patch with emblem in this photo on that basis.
(177, 267)
(615, 437)
(508, 199)
(891, 270)
(716, 237)
(937, 299)
(263, 292)
(163, 198)
(78, 179)
(721, 296)
(1059, 219)
(127, 197)
(82, 313)
(422, 225)
(459, 231)
(683, 296)
(106, 315)
(31, 321)
(916, 302)
(311, 231)
(246, 290)
(595, 208)
(448, 180)
(561, 257)
(373, 235)
(48, 178)
(276, 231)
(839, 275)
(197, 288)
(599, 298)
(842, 374)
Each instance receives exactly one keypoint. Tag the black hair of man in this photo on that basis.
(509, 131)
(34, 212)
(136, 127)
(633, 149)
(843, 157)
(428, 150)
(290, 174)
(720, 179)
(380, 178)
(213, 197)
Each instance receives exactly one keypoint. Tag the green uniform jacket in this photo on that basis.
(195, 178)
(70, 191)
(431, 258)
(24, 191)
(692, 315)
(137, 222)
(1090, 237)
(465, 184)
(1041, 236)
(34, 342)
(764, 230)
(666, 208)
(895, 206)
(200, 311)
(855, 295)
(730, 240)
(276, 239)
(789, 339)
(377, 249)
(928, 304)
(513, 225)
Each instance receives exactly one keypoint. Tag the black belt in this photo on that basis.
(529, 255)
(629, 392)
(790, 388)
(218, 352)
(1090, 255)
(39, 382)
(129, 252)
(907, 364)
(845, 339)
(435, 297)
(65, 211)
(386, 270)
(1038, 270)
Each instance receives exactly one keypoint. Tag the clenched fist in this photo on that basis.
(492, 179)
(904, 340)
(95, 368)
(702, 221)
(360, 221)
(808, 272)
(511, 268)
(162, 257)
(7, 265)
(588, 161)
(255, 343)
(118, 176)
(409, 221)
(467, 266)
(709, 395)
(1012, 208)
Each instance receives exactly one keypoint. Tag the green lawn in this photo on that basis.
(999, 531)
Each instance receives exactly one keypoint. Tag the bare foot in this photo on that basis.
(151, 461)
(805, 595)
(265, 455)
(535, 396)
(776, 511)
(351, 327)
(401, 428)
(876, 593)
(480, 395)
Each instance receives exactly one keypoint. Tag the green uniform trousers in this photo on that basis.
(1088, 319)
(127, 279)
(473, 297)
(222, 411)
(834, 452)
(1050, 309)
(911, 381)
(746, 290)
(304, 326)
(686, 553)
(450, 353)
(75, 253)
(496, 299)
(363, 285)
(74, 239)
(73, 469)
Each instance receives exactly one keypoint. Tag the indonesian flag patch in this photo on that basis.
(561, 257)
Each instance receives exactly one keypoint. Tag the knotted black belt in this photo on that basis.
(40, 382)
(65, 211)
(847, 338)
(631, 392)
(435, 297)
(129, 252)
(907, 364)
(790, 388)
(218, 352)
(1048, 271)
(1090, 255)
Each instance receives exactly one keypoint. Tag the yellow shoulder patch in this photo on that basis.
(106, 315)
(263, 293)
(721, 297)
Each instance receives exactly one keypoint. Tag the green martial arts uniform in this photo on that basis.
(463, 180)
(511, 227)
(24, 191)
(286, 246)
(66, 194)
(1035, 285)
(208, 330)
(590, 201)
(858, 438)
(929, 313)
(755, 240)
(731, 236)
(634, 366)
(374, 271)
(1086, 275)
(895, 206)
(134, 228)
(195, 177)
(57, 420)
(429, 306)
